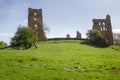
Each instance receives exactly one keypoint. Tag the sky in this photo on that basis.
(61, 16)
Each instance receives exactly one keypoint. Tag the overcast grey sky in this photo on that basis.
(61, 16)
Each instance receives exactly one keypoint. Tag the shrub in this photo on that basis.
(2, 44)
(96, 37)
(23, 38)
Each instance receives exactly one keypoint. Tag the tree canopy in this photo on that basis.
(96, 37)
(24, 38)
(2, 45)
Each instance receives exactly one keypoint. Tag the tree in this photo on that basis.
(96, 37)
(2, 44)
(24, 38)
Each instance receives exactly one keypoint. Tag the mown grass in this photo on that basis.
(60, 60)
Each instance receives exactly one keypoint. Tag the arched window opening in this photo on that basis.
(99, 23)
(35, 19)
(101, 29)
(103, 23)
(104, 29)
(35, 14)
(36, 26)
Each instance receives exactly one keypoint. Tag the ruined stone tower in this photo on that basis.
(78, 35)
(35, 22)
(104, 25)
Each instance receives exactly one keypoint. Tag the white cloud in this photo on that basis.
(116, 30)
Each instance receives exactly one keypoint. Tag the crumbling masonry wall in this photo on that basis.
(78, 35)
(35, 22)
(104, 25)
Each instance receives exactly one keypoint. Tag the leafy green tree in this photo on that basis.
(96, 37)
(2, 44)
(24, 38)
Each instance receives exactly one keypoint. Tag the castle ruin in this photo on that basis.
(105, 27)
(78, 35)
(35, 22)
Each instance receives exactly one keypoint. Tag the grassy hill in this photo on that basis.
(60, 60)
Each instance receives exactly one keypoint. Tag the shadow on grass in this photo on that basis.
(94, 45)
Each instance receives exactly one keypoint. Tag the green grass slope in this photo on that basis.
(60, 60)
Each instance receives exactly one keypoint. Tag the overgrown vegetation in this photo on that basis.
(24, 38)
(96, 37)
(60, 60)
(2, 45)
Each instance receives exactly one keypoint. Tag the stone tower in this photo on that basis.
(78, 35)
(35, 22)
(105, 27)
